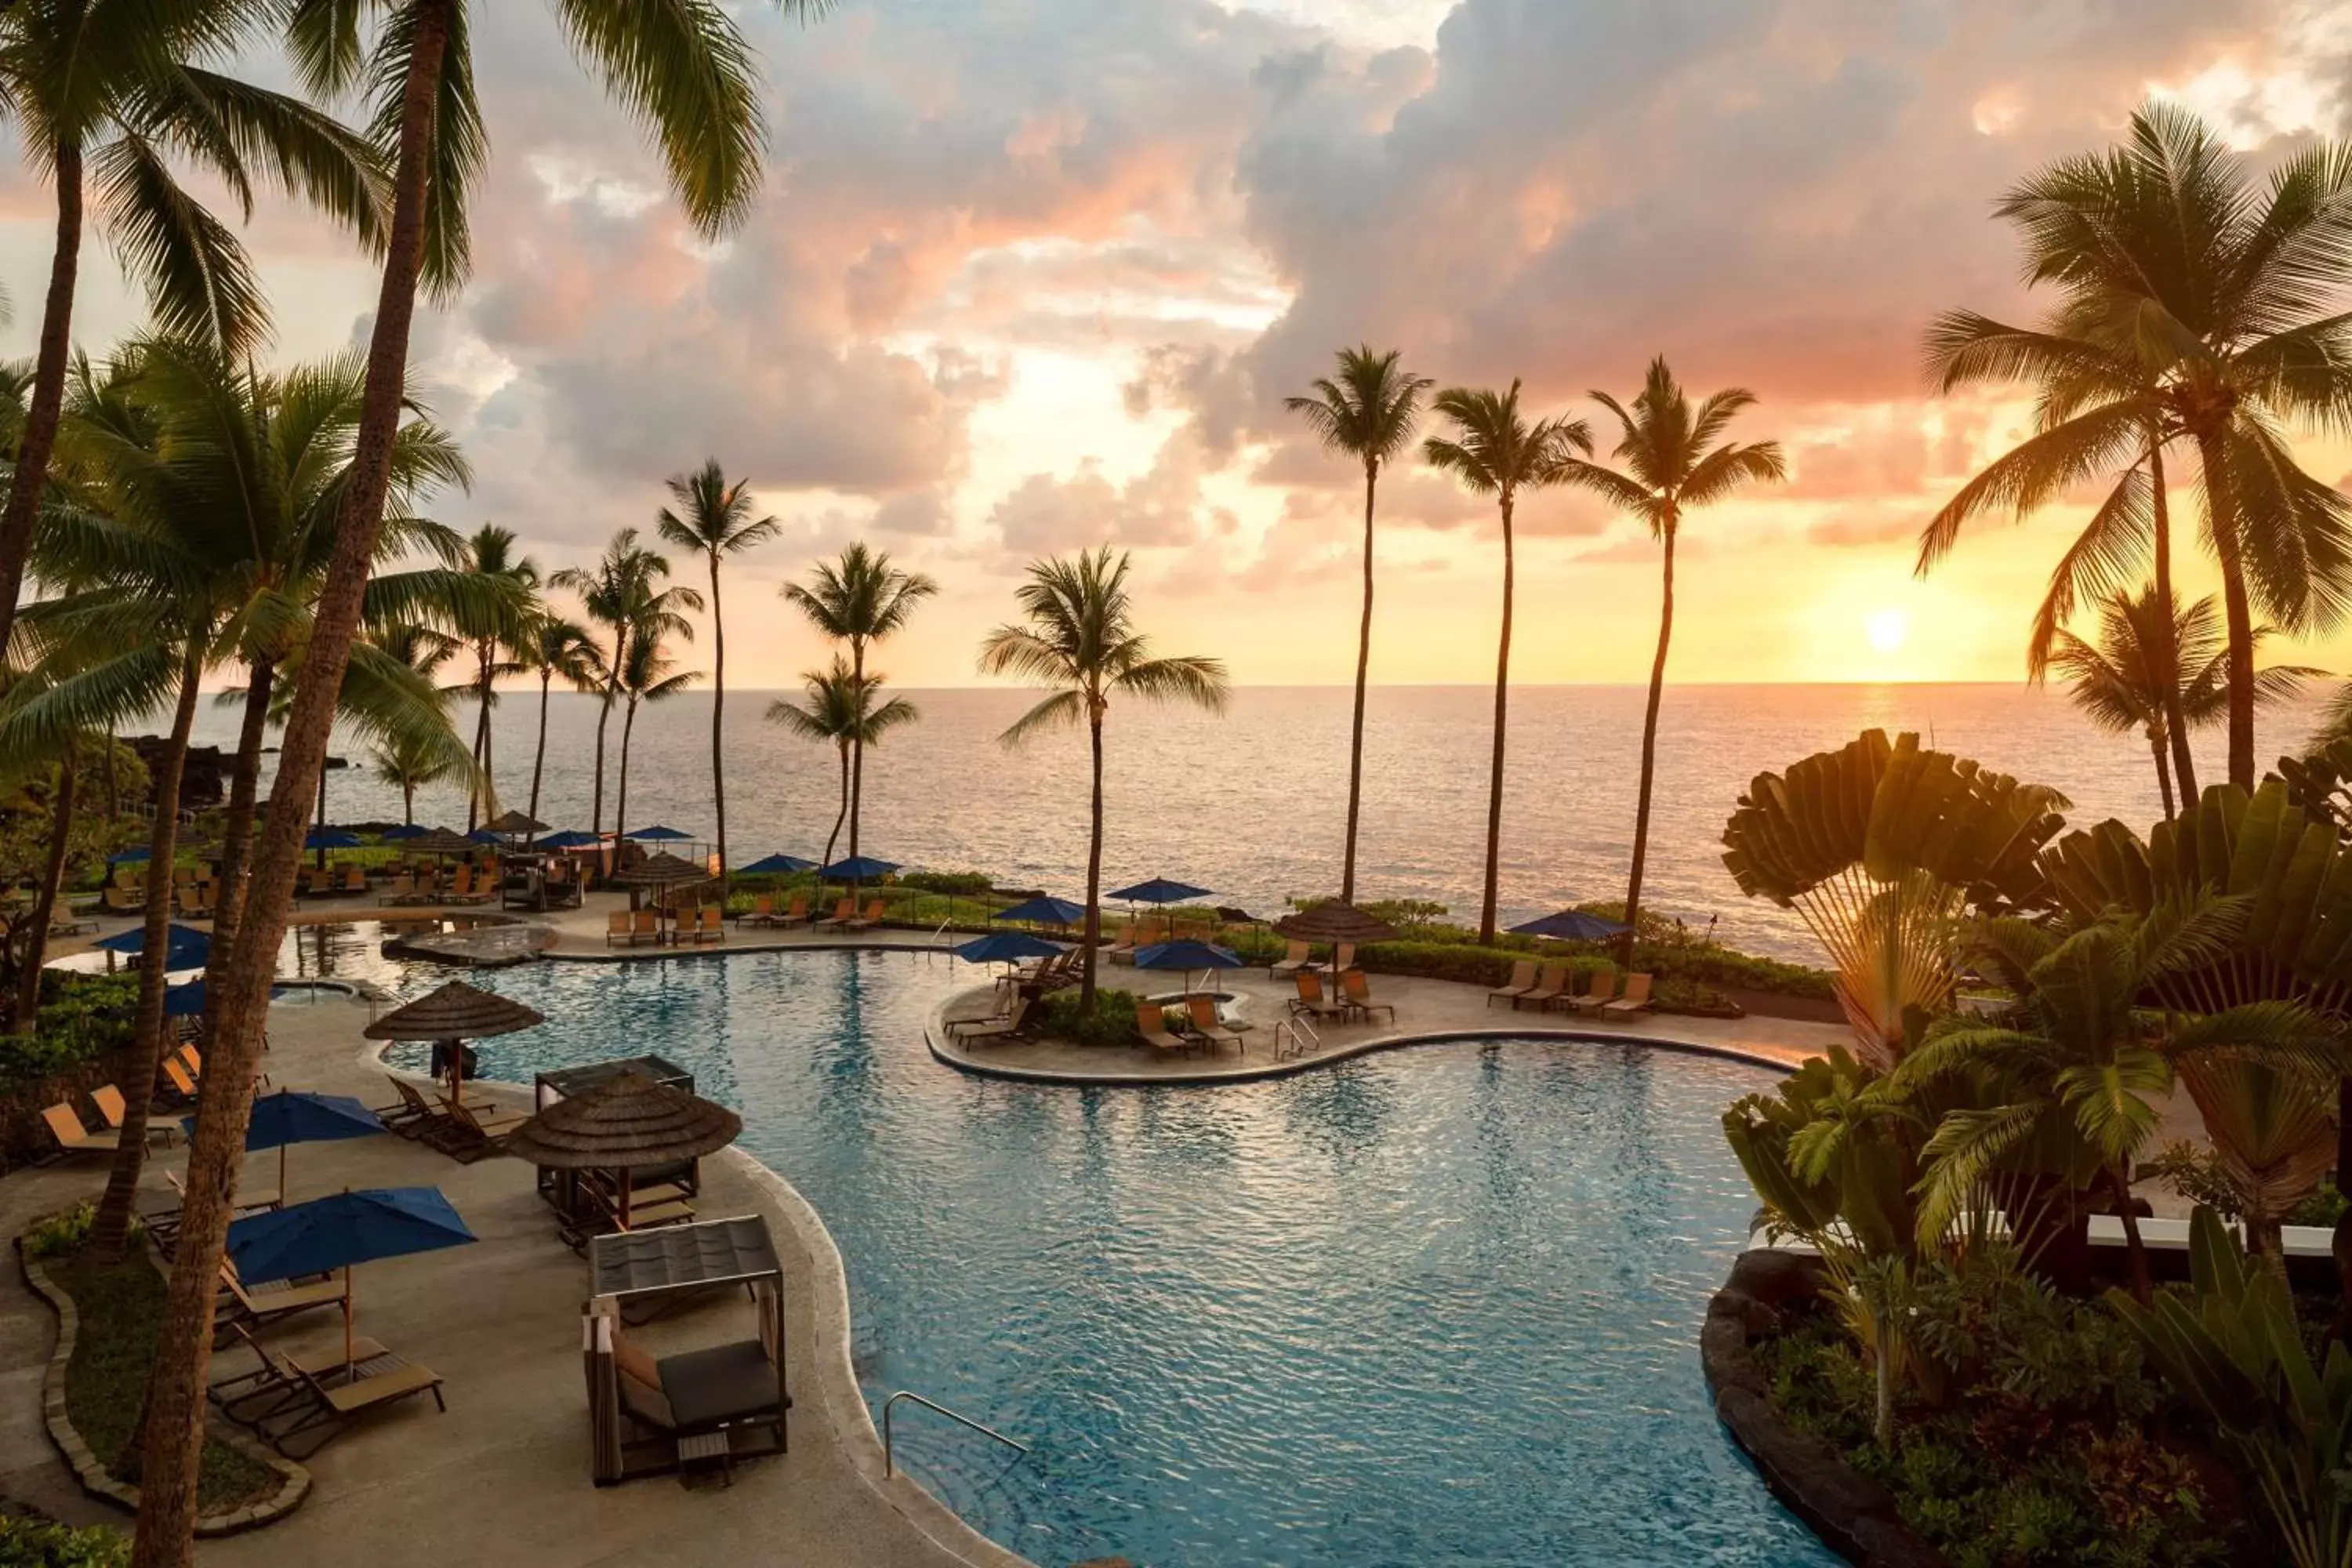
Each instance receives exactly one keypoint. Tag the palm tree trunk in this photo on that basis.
(175, 1389)
(1650, 751)
(110, 1232)
(1502, 705)
(474, 802)
(44, 902)
(621, 801)
(41, 416)
(408, 802)
(236, 826)
(603, 717)
(1363, 668)
(2221, 507)
(1094, 864)
(2163, 772)
(2175, 721)
(539, 758)
(842, 815)
(2135, 1250)
(718, 712)
(858, 744)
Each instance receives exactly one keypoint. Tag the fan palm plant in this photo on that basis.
(648, 674)
(2193, 307)
(1368, 410)
(860, 599)
(715, 518)
(558, 648)
(1081, 643)
(107, 95)
(2126, 682)
(839, 709)
(401, 760)
(509, 606)
(1673, 458)
(1492, 451)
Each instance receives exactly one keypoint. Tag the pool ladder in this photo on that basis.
(1302, 1035)
(889, 1462)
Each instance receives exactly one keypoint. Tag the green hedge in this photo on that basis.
(1444, 958)
(39, 1544)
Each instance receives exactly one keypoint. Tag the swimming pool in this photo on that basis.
(1436, 1306)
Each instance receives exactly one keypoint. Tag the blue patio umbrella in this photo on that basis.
(185, 947)
(484, 836)
(1571, 925)
(291, 1115)
(126, 856)
(329, 838)
(1186, 955)
(405, 830)
(571, 839)
(1043, 911)
(341, 1231)
(186, 1000)
(1158, 890)
(777, 864)
(1007, 947)
(859, 868)
(656, 832)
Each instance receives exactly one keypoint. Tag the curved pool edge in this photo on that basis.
(841, 1398)
(935, 1040)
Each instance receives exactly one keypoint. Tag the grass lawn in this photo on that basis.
(121, 1307)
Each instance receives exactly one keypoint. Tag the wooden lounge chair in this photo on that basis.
(406, 1112)
(1310, 999)
(398, 889)
(762, 913)
(310, 1407)
(616, 927)
(479, 1129)
(257, 1307)
(842, 913)
(709, 924)
(354, 879)
(1123, 950)
(1522, 981)
(1599, 987)
(72, 1137)
(1637, 997)
(1548, 990)
(114, 1111)
(118, 899)
(1152, 1025)
(798, 915)
(1000, 1027)
(182, 1083)
(1209, 1026)
(242, 1396)
(869, 920)
(1357, 987)
(1296, 956)
(1343, 958)
(249, 1200)
(424, 1121)
(644, 925)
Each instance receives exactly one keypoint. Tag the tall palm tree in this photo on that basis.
(2194, 307)
(620, 591)
(400, 760)
(1367, 411)
(1671, 460)
(492, 636)
(648, 674)
(2126, 682)
(1494, 451)
(860, 599)
(838, 707)
(115, 92)
(715, 517)
(558, 648)
(1081, 643)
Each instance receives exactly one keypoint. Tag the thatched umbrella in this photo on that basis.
(513, 824)
(625, 1124)
(440, 841)
(455, 1013)
(659, 870)
(1334, 921)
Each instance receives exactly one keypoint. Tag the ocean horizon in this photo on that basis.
(1253, 804)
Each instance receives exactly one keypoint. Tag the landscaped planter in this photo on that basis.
(90, 1471)
(1854, 1514)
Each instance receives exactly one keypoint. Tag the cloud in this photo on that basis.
(1163, 505)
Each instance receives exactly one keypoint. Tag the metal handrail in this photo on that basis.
(888, 1466)
(1301, 1033)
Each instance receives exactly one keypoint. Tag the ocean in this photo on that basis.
(1253, 804)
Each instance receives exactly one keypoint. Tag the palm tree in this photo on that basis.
(2193, 307)
(1672, 460)
(110, 91)
(860, 599)
(2127, 681)
(510, 606)
(1367, 411)
(558, 648)
(1494, 451)
(1081, 642)
(2079, 1069)
(401, 760)
(619, 593)
(715, 518)
(838, 707)
(648, 674)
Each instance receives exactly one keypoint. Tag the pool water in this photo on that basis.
(1436, 1306)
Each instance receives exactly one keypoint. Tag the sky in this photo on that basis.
(1032, 275)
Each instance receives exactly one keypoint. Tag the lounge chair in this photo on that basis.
(1002, 1026)
(842, 913)
(118, 899)
(798, 915)
(236, 1395)
(479, 1131)
(762, 913)
(307, 1407)
(1600, 986)
(1356, 988)
(1522, 981)
(114, 1111)
(398, 889)
(1209, 1026)
(1310, 999)
(354, 879)
(1548, 990)
(184, 1084)
(1152, 1025)
(1343, 958)
(710, 925)
(644, 925)
(1296, 955)
(256, 1306)
(869, 920)
(72, 1137)
(249, 1200)
(422, 1122)
(406, 1112)
(1637, 997)
(724, 1390)
(616, 928)
(1123, 950)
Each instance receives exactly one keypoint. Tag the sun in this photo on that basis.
(1888, 629)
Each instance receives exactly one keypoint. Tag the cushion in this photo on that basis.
(726, 1383)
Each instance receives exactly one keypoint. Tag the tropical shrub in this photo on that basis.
(961, 884)
(63, 1233)
(1112, 1022)
(40, 1543)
